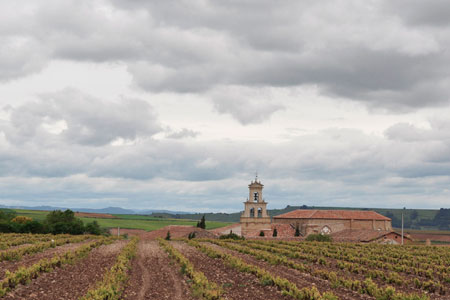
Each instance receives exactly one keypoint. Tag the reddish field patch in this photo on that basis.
(176, 231)
(432, 237)
(94, 215)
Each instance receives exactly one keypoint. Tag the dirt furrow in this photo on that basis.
(70, 281)
(236, 285)
(28, 260)
(154, 276)
(300, 279)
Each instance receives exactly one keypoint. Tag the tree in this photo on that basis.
(297, 230)
(168, 236)
(202, 223)
(396, 222)
(261, 233)
(442, 219)
(7, 214)
(275, 232)
(58, 222)
(93, 228)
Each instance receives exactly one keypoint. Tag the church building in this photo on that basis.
(255, 219)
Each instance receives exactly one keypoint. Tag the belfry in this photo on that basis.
(255, 215)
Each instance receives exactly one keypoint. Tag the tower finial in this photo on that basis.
(256, 176)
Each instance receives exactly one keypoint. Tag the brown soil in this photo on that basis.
(236, 285)
(94, 215)
(408, 287)
(70, 281)
(131, 232)
(300, 279)
(176, 231)
(153, 276)
(30, 259)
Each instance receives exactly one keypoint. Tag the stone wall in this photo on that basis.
(308, 226)
(254, 224)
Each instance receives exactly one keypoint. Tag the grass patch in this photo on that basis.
(128, 221)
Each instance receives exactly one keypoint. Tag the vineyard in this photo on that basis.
(93, 267)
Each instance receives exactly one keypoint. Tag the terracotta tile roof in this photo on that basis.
(360, 235)
(333, 214)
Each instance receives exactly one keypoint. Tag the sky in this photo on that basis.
(177, 104)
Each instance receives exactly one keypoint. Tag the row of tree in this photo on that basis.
(441, 220)
(56, 222)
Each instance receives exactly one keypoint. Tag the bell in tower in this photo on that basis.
(255, 215)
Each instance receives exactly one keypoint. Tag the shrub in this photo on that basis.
(32, 227)
(191, 235)
(261, 233)
(275, 232)
(319, 238)
(21, 220)
(168, 236)
(231, 236)
(93, 228)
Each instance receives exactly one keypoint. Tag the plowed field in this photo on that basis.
(111, 268)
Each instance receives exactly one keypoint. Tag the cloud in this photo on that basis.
(367, 52)
(438, 131)
(181, 134)
(71, 145)
(419, 13)
(20, 56)
(247, 106)
(339, 165)
(81, 119)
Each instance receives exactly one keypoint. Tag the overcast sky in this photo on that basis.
(176, 104)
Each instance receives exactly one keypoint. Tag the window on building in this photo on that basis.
(325, 230)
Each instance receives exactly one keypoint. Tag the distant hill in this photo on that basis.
(107, 210)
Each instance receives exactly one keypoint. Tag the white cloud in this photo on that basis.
(247, 106)
(81, 119)
(261, 68)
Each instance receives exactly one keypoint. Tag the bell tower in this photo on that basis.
(255, 217)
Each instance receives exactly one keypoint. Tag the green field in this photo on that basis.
(128, 221)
